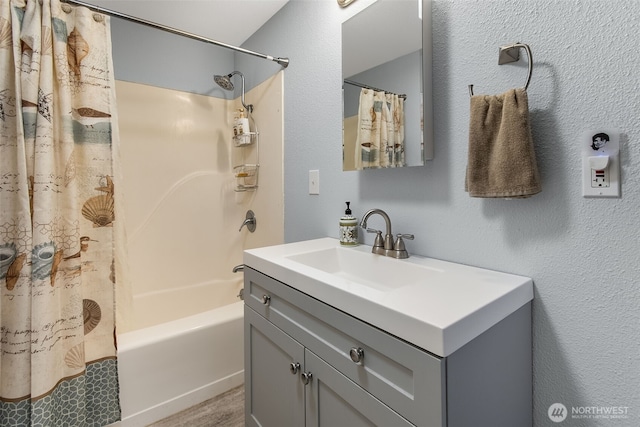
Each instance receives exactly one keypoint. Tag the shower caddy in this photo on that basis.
(246, 173)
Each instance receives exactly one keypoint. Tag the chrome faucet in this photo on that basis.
(386, 246)
(378, 246)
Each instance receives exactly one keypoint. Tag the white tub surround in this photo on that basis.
(182, 220)
(182, 213)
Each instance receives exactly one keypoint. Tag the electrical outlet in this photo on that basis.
(314, 182)
(600, 178)
(601, 163)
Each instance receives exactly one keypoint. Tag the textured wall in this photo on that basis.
(581, 253)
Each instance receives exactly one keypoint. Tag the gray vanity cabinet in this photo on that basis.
(309, 364)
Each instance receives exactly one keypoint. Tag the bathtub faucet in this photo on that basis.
(249, 221)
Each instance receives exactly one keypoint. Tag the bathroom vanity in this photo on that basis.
(341, 337)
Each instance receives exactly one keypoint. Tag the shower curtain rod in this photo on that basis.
(284, 62)
(351, 82)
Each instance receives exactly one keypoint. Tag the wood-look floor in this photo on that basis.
(226, 410)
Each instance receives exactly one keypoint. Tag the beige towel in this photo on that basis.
(502, 161)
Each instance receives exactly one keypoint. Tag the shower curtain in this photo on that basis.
(380, 133)
(57, 136)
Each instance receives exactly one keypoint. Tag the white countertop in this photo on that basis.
(440, 312)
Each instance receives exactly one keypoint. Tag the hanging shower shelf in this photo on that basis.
(246, 177)
(246, 139)
(246, 173)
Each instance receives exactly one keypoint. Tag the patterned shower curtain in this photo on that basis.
(380, 132)
(57, 347)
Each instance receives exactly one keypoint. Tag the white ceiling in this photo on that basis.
(228, 21)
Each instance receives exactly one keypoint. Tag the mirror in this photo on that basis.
(383, 56)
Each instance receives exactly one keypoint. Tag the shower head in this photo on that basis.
(225, 83)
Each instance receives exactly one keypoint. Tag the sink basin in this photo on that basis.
(375, 271)
(436, 305)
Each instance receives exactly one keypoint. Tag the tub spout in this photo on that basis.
(239, 267)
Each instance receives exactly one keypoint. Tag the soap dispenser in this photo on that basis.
(348, 228)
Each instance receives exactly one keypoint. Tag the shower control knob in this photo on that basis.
(294, 368)
(306, 377)
(357, 354)
(266, 299)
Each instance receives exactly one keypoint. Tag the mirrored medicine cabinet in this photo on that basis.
(386, 49)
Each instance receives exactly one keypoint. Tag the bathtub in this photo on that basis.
(171, 366)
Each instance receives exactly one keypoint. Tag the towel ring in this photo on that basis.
(511, 53)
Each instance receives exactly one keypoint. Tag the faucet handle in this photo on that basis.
(400, 251)
(378, 242)
(249, 221)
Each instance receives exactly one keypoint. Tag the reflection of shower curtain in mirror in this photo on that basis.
(397, 118)
(57, 133)
(380, 140)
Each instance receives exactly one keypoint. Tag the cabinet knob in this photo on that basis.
(357, 354)
(294, 368)
(306, 377)
(266, 299)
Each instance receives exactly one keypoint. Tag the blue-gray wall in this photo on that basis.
(583, 254)
(149, 56)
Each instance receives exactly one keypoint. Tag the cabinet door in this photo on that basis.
(274, 394)
(334, 400)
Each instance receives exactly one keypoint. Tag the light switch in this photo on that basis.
(314, 181)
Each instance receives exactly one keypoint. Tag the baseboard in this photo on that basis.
(182, 402)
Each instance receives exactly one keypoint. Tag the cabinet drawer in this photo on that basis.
(409, 380)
